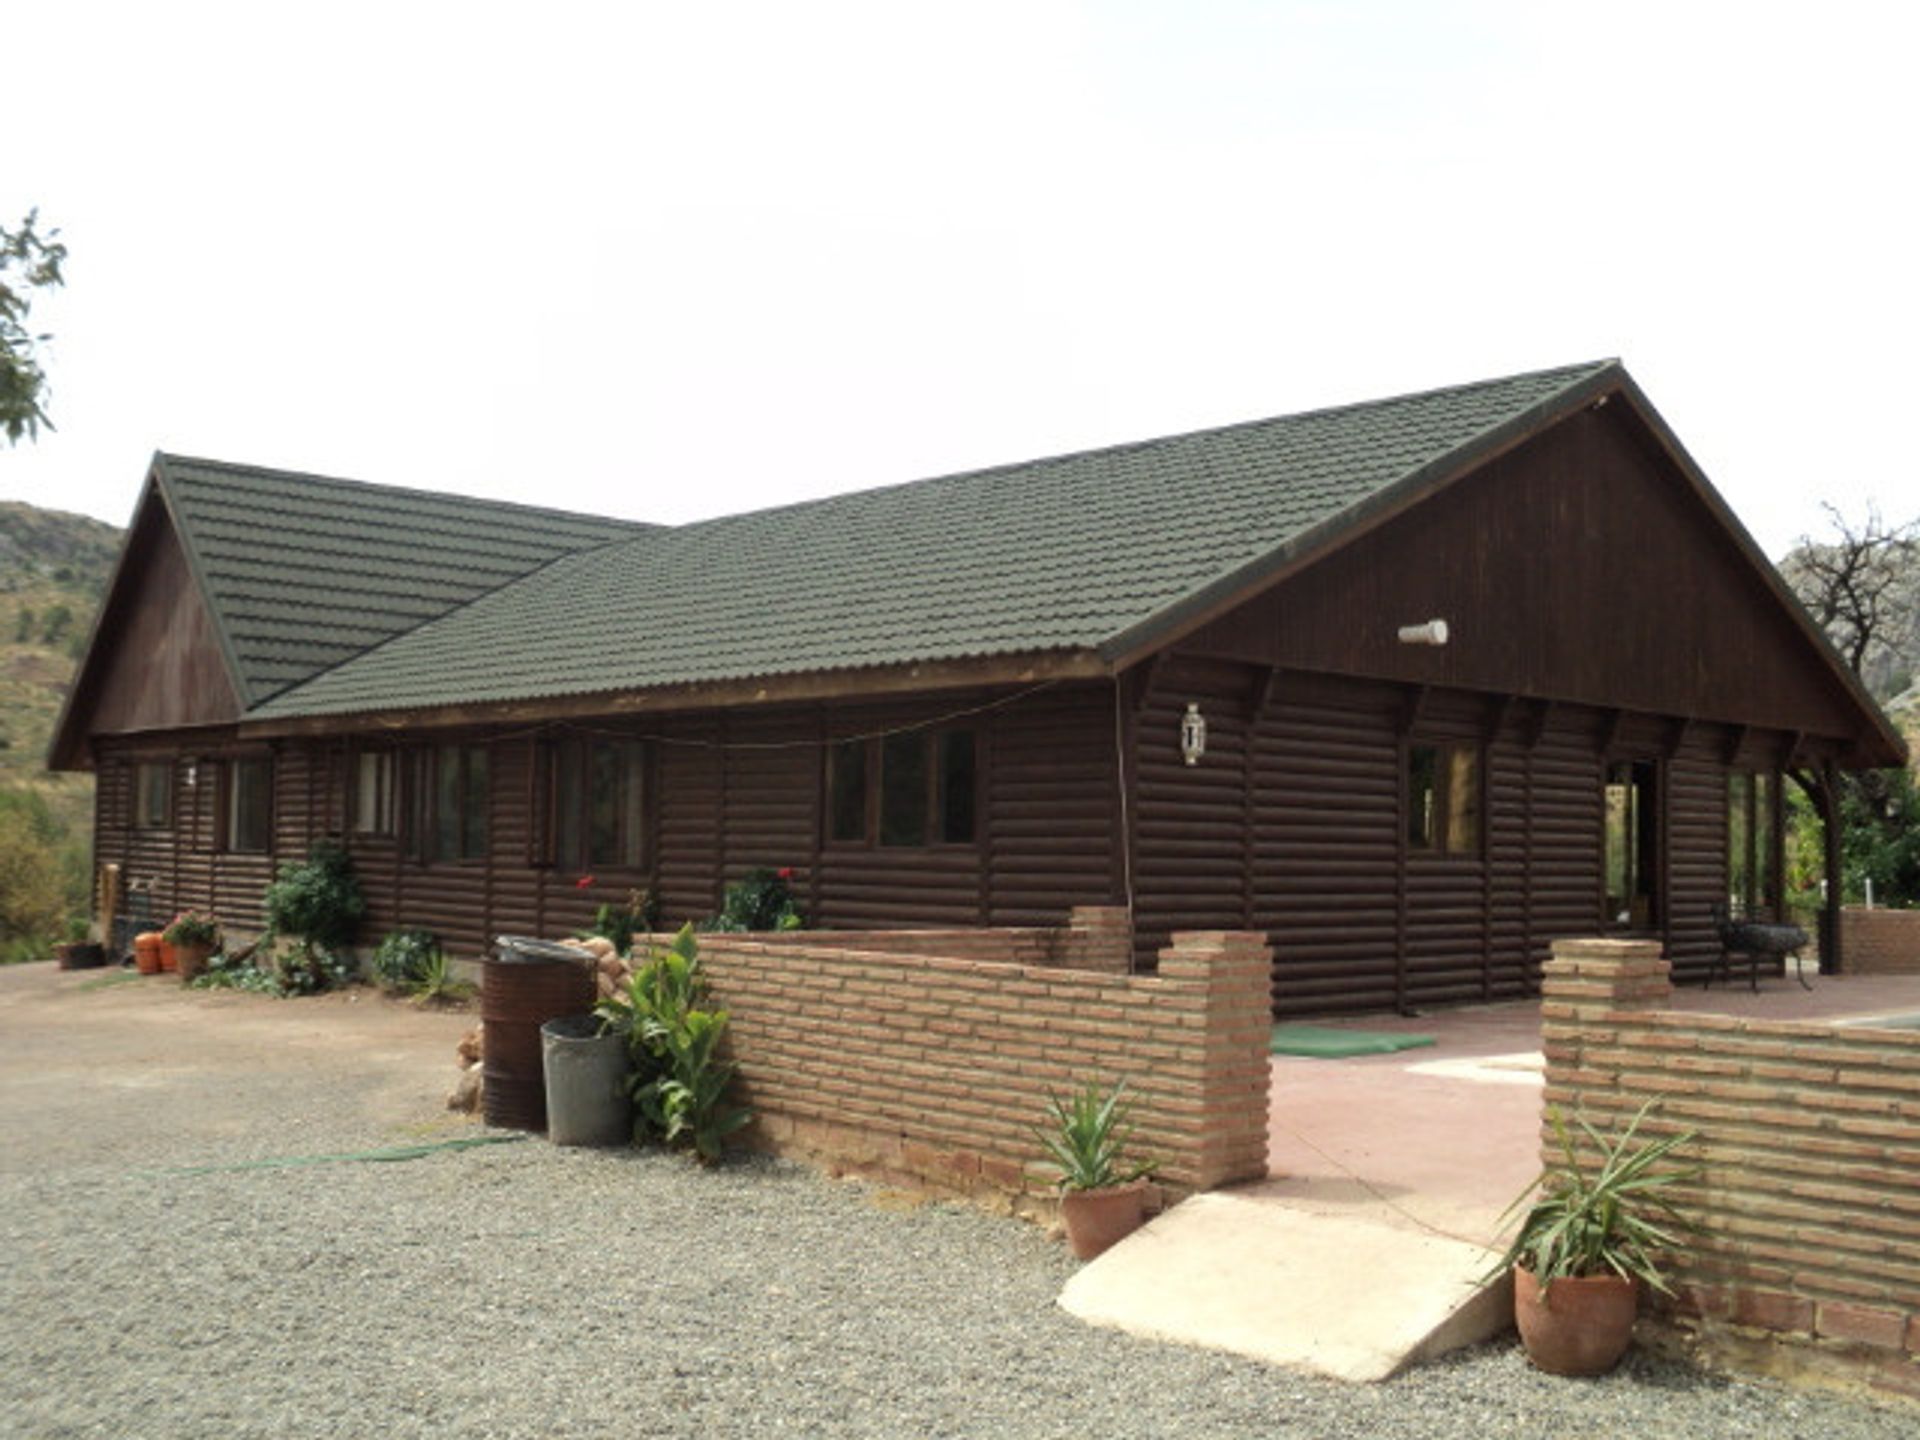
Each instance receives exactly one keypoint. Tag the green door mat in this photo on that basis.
(1323, 1044)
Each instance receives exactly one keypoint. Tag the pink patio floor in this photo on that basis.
(1447, 1139)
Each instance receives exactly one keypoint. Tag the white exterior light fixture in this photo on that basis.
(1193, 734)
(1434, 632)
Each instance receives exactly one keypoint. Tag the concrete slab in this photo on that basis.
(1327, 1288)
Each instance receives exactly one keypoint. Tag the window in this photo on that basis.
(1632, 821)
(445, 803)
(374, 810)
(911, 789)
(250, 805)
(1753, 877)
(1443, 798)
(153, 794)
(599, 804)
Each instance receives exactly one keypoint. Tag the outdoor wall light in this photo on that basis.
(193, 775)
(1193, 734)
(1434, 632)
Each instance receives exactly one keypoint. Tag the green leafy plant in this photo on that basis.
(1610, 1216)
(437, 983)
(236, 972)
(1087, 1136)
(762, 899)
(620, 923)
(317, 899)
(679, 1081)
(192, 927)
(402, 958)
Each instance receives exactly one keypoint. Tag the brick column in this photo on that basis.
(1234, 974)
(1586, 980)
(1099, 938)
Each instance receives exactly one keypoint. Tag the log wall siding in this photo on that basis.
(1292, 826)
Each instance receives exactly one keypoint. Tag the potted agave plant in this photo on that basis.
(1102, 1199)
(1597, 1233)
(194, 936)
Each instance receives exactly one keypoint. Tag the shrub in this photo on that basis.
(679, 1082)
(192, 927)
(762, 899)
(402, 959)
(317, 899)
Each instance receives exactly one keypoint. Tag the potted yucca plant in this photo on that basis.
(1102, 1198)
(1597, 1233)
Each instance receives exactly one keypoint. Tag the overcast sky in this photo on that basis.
(667, 261)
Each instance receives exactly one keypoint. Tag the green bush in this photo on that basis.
(402, 959)
(679, 1082)
(762, 899)
(317, 899)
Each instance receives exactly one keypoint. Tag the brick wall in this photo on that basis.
(1880, 942)
(933, 1069)
(1095, 937)
(1807, 1253)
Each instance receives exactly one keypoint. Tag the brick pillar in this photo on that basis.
(1099, 938)
(1234, 973)
(1585, 980)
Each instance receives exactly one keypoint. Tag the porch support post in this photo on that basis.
(1830, 959)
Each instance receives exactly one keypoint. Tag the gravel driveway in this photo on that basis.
(520, 1290)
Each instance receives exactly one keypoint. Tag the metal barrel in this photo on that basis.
(527, 983)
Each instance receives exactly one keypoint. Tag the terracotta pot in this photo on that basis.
(146, 952)
(169, 955)
(191, 960)
(1097, 1219)
(1579, 1326)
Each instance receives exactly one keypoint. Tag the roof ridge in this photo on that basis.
(240, 468)
(1572, 372)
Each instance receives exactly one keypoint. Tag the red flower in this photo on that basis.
(585, 882)
(786, 872)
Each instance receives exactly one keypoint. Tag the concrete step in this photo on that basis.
(1352, 1291)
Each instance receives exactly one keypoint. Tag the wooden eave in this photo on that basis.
(852, 684)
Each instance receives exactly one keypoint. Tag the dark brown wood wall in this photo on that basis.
(1580, 567)
(731, 792)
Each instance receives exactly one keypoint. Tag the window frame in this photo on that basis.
(1650, 818)
(422, 783)
(144, 816)
(1756, 800)
(568, 767)
(384, 823)
(933, 786)
(234, 787)
(1436, 841)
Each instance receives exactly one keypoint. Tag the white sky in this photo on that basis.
(668, 261)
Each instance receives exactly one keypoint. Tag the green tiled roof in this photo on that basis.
(302, 572)
(1086, 553)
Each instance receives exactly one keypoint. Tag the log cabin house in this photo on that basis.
(1196, 676)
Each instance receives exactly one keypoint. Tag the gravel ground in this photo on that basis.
(522, 1290)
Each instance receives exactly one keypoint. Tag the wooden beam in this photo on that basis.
(1537, 726)
(878, 681)
(1266, 684)
(1413, 701)
(1498, 716)
(1831, 961)
(1142, 677)
(1677, 736)
(1610, 729)
(1736, 739)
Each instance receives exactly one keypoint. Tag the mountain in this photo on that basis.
(53, 571)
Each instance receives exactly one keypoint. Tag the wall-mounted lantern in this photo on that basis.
(1193, 734)
(1432, 632)
(193, 774)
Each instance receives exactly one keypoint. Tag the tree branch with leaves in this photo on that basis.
(29, 264)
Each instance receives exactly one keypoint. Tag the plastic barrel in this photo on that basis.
(526, 983)
(586, 1074)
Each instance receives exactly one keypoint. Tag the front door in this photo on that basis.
(1631, 810)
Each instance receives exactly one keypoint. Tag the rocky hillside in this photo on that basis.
(53, 570)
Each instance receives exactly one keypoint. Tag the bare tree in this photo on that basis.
(1860, 587)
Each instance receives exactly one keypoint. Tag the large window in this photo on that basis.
(250, 805)
(1753, 871)
(1632, 818)
(599, 804)
(915, 788)
(446, 796)
(374, 804)
(1443, 798)
(153, 794)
